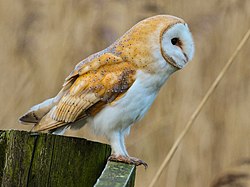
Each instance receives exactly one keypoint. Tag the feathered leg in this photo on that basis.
(119, 150)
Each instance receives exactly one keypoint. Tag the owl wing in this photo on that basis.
(90, 86)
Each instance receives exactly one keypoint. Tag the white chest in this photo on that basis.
(131, 107)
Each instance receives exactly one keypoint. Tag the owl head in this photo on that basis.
(177, 45)
(157, 42)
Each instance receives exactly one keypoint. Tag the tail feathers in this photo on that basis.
(48, 124)
(37, 112)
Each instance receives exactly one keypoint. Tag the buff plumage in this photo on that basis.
(114, 88)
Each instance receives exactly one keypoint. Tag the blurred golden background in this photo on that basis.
(42, 41)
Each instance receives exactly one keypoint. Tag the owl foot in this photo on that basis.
(128, 160)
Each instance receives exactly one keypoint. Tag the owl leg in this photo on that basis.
(122, 141)
(120, 153)
(116, 144)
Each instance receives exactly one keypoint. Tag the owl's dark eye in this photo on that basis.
(174, 41)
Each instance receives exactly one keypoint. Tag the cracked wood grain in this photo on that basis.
(49, 160)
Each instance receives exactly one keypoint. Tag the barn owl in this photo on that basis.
(114, 88)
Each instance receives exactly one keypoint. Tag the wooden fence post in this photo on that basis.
(50, 160)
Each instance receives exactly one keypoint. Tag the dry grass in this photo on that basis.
(236, 176)
(41, 41)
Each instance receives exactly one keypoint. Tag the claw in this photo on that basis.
(128, 160)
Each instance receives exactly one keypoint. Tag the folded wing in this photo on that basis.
(89, 88)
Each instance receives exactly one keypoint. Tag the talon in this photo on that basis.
(139, 162)
(128, 160)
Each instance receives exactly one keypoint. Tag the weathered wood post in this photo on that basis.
(50, 160)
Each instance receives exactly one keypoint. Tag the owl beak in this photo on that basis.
(186, 58)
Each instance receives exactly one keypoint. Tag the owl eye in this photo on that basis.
(175, 41)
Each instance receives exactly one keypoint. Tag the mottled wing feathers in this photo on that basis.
(93, 62)
(103, 84)
(90, 87)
